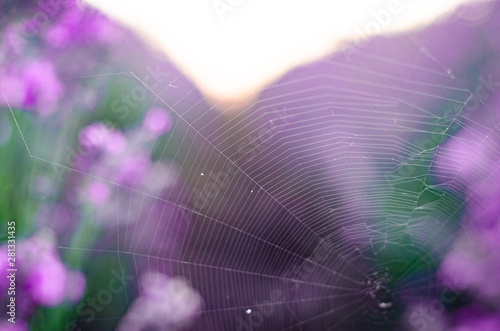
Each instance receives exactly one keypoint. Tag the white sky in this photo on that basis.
(231, 47)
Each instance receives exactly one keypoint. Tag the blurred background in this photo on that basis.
(162, 173)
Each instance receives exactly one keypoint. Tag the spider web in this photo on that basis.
(319, 209)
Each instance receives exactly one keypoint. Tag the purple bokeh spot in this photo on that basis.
(47, 282)
(42, 87)
(115, 142)
(157, 121)
(98, 192)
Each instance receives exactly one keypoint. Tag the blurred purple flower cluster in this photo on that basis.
(35, 56)
(79, 27)
(122, 169)
(32, 86)
(42, 278)
(471, 157)
(164, 304)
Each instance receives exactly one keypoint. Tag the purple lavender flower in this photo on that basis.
(48, 281)
(121, 159)
(79, 26)
(34, 86)
(42, 278)
(98, 192)
(43, 88)
(165, 303)
(157, 121)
